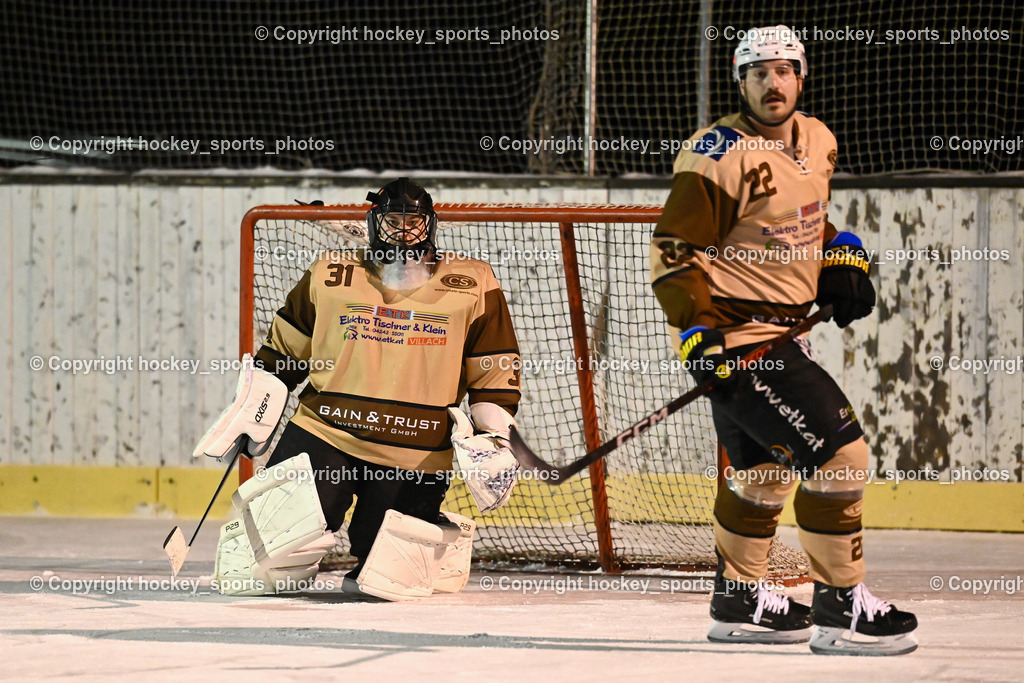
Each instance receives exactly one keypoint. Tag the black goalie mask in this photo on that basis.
(401, 223)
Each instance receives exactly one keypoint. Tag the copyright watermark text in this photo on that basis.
(118, 364)
(567, 144)
(110, 145)
(1005, 585)
(1009, 365)
(863, 35)
(399, 34)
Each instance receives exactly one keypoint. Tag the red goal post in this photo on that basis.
(586, 322)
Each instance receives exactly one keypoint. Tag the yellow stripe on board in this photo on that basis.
(960, 506)
(68, 491)
(184, 492)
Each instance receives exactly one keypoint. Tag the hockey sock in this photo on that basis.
(830, 533)
(743, 535)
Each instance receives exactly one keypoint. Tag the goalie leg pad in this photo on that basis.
(232, 570)
(284, 524)
(455, 563)
(405, 559)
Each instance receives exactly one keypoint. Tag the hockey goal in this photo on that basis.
(596, 355)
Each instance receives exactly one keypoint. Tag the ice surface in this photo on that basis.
(504, 626)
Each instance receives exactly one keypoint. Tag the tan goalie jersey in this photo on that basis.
(384, 367)
(739, 244)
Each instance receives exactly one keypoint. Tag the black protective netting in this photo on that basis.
(85, 84)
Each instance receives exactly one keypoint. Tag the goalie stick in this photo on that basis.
(175, 545)
(556, 475)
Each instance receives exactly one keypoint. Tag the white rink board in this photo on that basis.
(150, 270)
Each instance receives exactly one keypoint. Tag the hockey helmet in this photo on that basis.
(401, 223)
(767, 44)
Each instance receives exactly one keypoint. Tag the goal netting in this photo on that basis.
(658, 489)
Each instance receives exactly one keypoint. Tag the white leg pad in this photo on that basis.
(283, 524)
(405, 559)
(232, 570)
(454, 572)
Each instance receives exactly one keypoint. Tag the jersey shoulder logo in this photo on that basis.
(717, 142)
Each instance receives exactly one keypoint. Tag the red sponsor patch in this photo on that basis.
(809, 209)
(385, 312)
(426, 341)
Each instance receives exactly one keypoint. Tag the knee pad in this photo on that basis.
(747, 511)
(405, 560)
(830, 532)
(283, 525)
(846, 471)
(766, 486)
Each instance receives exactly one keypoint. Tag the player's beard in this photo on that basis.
(408, 273)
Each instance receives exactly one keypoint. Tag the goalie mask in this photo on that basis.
(767, 44)
(401, 223)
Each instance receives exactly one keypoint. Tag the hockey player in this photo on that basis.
(393, 339)
(744, 249)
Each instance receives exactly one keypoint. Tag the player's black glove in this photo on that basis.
(703, 354)
(844, 280)
(315, 202)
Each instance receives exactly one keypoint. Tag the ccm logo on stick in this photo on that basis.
(642, 426)
(263, 408)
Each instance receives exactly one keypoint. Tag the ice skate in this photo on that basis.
(851, 621)
(753, 613)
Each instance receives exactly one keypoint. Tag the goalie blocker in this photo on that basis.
(251, 420)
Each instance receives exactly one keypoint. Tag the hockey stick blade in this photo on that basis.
(175, 546)
(556, 475)
(176, 549)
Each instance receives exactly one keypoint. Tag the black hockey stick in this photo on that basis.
(175, 545)
(556, 475)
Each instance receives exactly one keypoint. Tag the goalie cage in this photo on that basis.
(596, 354)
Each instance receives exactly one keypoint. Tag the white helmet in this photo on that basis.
(766, 44)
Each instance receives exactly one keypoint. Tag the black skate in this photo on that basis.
(753, 613)
(851, 621)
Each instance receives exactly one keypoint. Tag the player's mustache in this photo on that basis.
(772, 93)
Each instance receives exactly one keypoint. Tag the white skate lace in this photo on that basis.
(768, 599)
(867, 604)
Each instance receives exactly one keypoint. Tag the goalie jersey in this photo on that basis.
(384, 366)
(739, 244)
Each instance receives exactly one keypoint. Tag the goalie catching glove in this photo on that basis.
(484, 460)
(251, 419)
